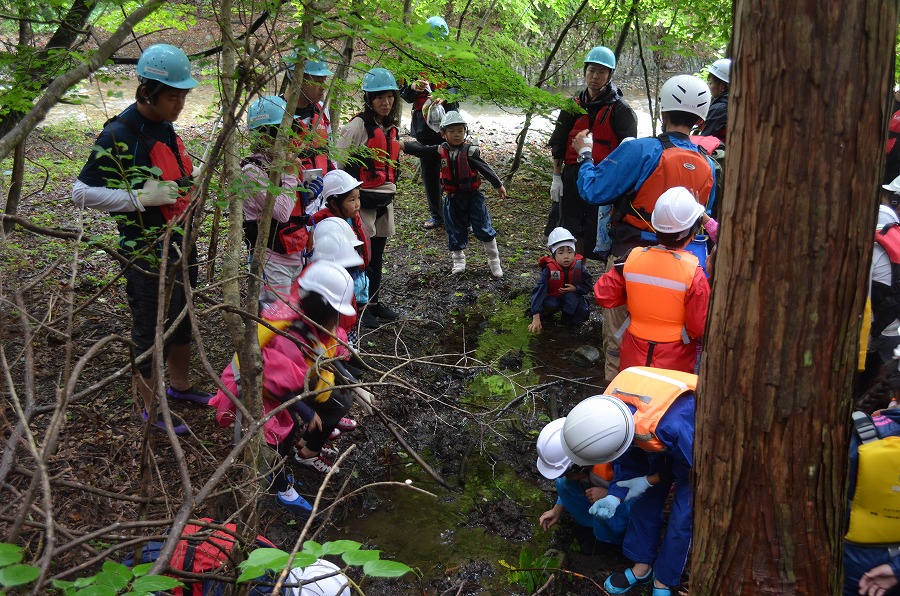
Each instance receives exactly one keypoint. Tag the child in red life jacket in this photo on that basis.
(563, 285)
(297, 367)
(461, 171)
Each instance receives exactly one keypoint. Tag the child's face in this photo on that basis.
(349, 207)
(565, 256)
(454, 134)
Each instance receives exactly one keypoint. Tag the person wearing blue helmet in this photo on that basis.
(370, 146)
(610, 120)
(118, 178)
(312, 122)
(288, 238)
(426, 107)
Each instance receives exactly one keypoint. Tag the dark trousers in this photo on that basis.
(376, 263)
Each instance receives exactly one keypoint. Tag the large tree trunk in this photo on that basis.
(806, 133)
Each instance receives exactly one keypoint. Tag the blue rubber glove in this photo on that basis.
(605, 508)
(315, 187)
(636, 487)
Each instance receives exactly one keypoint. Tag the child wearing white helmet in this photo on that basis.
(577, 487)
(719, 81)
(325, 293)
(664, 288)
(563, 285)
(465, 206)
(116, 178)
(288, 238)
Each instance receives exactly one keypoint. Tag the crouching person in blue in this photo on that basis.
(563, 285)
(577, 487)
(644, 425)
(872, 542)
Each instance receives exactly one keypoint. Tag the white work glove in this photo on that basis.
(156, 193)
(587, 150)
(605, 508)
(636, 487)
(556, 188)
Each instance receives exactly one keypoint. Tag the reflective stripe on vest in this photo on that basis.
(677, 167)
(456, 175)
(656, 283)
(651, 391)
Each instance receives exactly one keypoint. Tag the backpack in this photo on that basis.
(203, 550)
(875, 508)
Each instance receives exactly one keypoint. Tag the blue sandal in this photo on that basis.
(619, 583)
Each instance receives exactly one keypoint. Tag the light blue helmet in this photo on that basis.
(439, 27)
(379, 79)
(603, 56)
(168, 65)
(266, 111)
(314, 65)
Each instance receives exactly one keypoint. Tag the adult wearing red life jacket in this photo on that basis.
(643, 424)
(420, 95)
(116, 179)
(609, 119)
(638, 172)
(371, 141)
(664, 289)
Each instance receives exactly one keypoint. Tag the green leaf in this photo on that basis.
(385, 569)
(314, 548)
(272, 558)
(340, 546)
(17, 575)
(114, 575)
(9, 554)
(62, 585)
(97, 590)
(360, 557)
(81, 582)
(155, 583)
(142, 569)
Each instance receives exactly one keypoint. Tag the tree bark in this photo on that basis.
(788, 291)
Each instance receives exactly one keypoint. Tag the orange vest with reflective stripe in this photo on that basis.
(651, 391)
(656, 283)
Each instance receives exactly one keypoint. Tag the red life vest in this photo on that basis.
(312, 140)
(365, 249)
(656, 283)
(893, 131)
(379, 168)
(285, 238)
(677, 167)
(558, 276)
(710, 143)
(456, 175)
(651, 391)
(605, 140)
(886, 299)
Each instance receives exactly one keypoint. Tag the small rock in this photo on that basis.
(586, 356)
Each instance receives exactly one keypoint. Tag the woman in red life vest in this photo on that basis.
(140, 138)
(370, 148)
(664, 288)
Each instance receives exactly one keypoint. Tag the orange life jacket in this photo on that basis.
(312, 140)
(605, 140)
(656, 282)
(378, 167)
(677, 167)
(456, 175)
(558, 276)
(601, 474)
(651, 391)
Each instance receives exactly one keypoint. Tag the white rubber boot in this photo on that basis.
(493, 255)
(459, 261)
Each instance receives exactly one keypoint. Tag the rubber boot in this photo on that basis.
(493, 255)
(459, 261)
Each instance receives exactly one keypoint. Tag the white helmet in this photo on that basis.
(676, 210)
(721, 69)
(336, 248)
(452, 117)
(560, 237)
(336, 585)
(332, 282)
(335, 225)
(552, 461)
(893, 186)
(685, 93)
(337, 182)
(597, 430)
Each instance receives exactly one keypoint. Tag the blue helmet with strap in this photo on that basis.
(601, 55)
(166, 64)
(379, 79)
(266, 111)
(315, 65)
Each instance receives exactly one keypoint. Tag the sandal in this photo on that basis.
(619, 583)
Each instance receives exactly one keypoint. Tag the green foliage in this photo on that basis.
(180, 17)
(532, 573)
